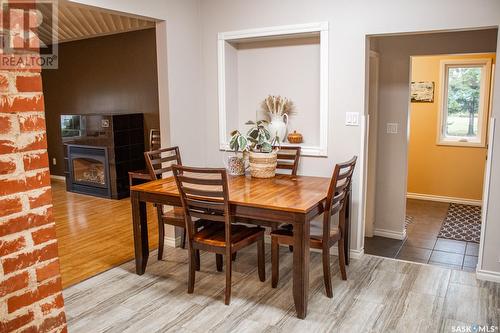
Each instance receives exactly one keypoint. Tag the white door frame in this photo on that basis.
(486, 195)
(366, 127)
(480, 273)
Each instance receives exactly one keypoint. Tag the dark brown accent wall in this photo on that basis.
(110, 74)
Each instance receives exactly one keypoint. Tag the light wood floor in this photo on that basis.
(381, 295)
(94, 234)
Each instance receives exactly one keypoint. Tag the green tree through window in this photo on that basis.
(464, 90)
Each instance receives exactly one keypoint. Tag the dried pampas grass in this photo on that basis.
(277, 105)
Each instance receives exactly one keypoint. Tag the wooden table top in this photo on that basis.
(283, 192)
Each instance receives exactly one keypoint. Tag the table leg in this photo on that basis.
(140, 225)
(301, 233)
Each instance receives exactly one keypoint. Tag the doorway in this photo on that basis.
(447, 149)
(410, 204)
(100, 105)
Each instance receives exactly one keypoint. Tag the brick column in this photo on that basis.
(30, 284)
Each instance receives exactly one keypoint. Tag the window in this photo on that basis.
(465, 90)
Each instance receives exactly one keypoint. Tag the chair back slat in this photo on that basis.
(160, 161)
(204, 194)
(159, 172)
(164, 159)
(286, 166)
(213, 205)
(288, 159)
(338, 195)
(340, 187)
(345, 174)
(205, 216)
(199, 181)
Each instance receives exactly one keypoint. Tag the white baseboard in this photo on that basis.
(173, 241)
(439, 198)
(488, 275)
(390, 233)
(55, 177)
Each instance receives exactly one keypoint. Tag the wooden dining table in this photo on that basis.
(282, 199)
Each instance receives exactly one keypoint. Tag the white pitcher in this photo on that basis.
(278, 126)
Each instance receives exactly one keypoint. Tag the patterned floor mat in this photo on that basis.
(462, 222)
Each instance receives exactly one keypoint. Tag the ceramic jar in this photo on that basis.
(295, 137)
(235, 165)
(278, 126)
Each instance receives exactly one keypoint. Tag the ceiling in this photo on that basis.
(80, 22)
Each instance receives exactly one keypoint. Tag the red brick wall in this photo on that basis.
(30, 282)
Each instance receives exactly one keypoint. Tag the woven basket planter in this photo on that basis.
(263, 165)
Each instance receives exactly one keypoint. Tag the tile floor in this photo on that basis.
(422, 244)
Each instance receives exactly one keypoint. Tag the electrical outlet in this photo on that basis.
(392, 128)
(352, 118)
(54, 161)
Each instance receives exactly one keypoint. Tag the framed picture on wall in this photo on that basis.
(422, 92)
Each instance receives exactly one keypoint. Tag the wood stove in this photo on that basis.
(89, 170)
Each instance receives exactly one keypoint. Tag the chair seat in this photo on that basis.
(176, 213)
(174, 217)
(140, 174)
(214, 235)
(285, 234)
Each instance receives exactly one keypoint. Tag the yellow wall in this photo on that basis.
(440, 170)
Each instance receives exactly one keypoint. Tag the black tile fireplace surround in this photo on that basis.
(98, 161)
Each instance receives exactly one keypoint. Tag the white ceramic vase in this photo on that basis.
(278, 126)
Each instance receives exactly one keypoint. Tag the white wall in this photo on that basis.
(289, 68)
(350, 22)
(192, 28)
(392, 150)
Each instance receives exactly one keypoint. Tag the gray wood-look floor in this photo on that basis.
(381, 295)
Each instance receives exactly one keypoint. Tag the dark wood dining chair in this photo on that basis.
(323, 236)
(142, 176)
(288, 159)
(287, 162)
(204, 195)
(159, 162)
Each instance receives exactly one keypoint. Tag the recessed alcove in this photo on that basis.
(290, 61)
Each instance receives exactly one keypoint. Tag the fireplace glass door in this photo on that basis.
(89, 171)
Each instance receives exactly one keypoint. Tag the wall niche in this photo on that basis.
(291, 61)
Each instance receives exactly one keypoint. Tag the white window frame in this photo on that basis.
(278, 32)
(484, 99)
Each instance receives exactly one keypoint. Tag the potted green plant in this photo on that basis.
(259, 144)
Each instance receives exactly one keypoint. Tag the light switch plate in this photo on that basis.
(352, 118)
(392, 128)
